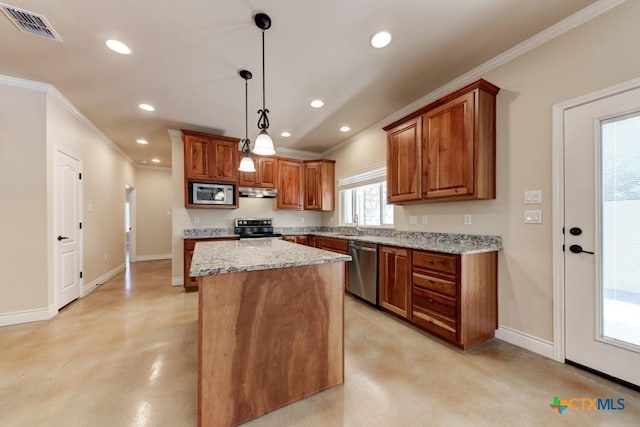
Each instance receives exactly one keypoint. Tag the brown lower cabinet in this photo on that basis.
(301, 239)
(191, 283)
(453, 297)
(394, 280)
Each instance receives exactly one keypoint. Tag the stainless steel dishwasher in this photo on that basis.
(363, 271)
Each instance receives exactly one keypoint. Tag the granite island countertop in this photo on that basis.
(256, 254)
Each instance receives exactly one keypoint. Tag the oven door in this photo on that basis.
(212, 194)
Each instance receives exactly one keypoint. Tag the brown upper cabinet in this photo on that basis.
(265, 175)
(289, 184)
(404, 152)
(210, 158)
(319, 185)
(446, 150)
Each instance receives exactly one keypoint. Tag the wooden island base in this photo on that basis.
(268, 338)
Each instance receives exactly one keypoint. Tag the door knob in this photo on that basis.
(62, 238)
(576, 249)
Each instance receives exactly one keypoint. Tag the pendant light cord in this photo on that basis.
(263, 120)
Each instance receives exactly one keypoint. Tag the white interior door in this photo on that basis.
(602, 215)
(67, 228)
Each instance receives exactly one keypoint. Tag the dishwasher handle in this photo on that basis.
(363, 248)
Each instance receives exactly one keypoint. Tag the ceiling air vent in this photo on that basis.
(30, 22)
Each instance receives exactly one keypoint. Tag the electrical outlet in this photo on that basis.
(424, 219)
(106, 256)
(467, 219)
(413, 219)
(302, 220)
(196, 219)
(168, 213)
(90, 207)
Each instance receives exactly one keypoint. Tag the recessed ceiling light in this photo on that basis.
(316, 103)
(285, 134)
(144, 162)
(142, 141)
(381, 39)
(146, 107)
(155, 160)
(345, 129)
(118, 47)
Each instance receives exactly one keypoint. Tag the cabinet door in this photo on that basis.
(289, 184)
(404, 153)
(267, 168)
(395, 280)
(312, 186)
(448, 166)
(225, 167)
(197, 157)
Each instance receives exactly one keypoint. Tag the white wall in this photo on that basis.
(184, 218)
(23, 200)
(34, 119)
(106, 172)
(153, 219)
(597, 54)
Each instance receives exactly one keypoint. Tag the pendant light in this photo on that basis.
(264, 143)
(246, 164)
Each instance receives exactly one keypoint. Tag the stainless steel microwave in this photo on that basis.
(205, 193)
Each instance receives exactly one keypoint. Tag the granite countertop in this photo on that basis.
(256, 254)
(451, 243)
(457, 244)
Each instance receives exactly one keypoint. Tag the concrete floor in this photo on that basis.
(126, 356)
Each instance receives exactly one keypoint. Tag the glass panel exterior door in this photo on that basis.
(621, 230)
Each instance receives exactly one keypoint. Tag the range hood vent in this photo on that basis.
(258, 193)
(30, 22)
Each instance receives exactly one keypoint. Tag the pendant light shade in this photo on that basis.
(264, 143)
(246, 164)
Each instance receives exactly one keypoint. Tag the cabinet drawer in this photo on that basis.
(434, 302)
(438, 262)
(330, 244)
(437, 326)
(447, 287)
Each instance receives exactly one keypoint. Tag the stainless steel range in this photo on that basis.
(247, 228)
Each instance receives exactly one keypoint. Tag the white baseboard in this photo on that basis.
(177, 281)
(27, 316)
(526, 341)
(92, 286)
(143, 258)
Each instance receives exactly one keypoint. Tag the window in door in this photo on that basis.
(621, 229)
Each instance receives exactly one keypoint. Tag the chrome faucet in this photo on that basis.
(355, 219)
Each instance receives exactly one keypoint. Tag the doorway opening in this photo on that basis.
(129, 224)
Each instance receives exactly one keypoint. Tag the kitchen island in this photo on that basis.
(270, 326)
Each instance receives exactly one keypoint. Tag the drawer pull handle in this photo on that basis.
(430, 261)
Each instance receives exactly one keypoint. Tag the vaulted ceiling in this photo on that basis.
(187, 54)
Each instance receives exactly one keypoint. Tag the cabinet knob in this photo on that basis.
(430, 300)
(430, 261)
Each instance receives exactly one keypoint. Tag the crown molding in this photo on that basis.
(151, 167)
(49, 89)
(582, 16)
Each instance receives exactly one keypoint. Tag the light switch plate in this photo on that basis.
(424, 219)
(533, 217)
(533, 197)
(413, 219)
(196, 219)
(467, 219)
